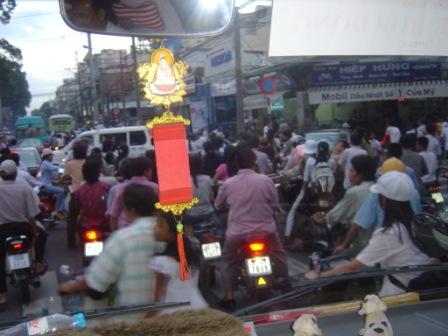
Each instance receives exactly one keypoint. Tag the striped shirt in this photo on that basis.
(143, 15)
(124, 262)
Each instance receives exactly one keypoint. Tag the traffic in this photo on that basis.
(197, 184)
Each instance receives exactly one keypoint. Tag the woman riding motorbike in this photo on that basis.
(49, 175)
(393, 244)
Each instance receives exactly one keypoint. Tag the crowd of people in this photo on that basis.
(372, 189)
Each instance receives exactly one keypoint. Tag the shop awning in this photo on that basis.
(372, 92)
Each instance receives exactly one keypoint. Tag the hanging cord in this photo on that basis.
(184, 271)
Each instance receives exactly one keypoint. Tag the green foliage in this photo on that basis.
(13, 84)
(6, 8)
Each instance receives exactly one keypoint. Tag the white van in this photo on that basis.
(136, 137)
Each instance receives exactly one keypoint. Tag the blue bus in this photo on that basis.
(31, 127)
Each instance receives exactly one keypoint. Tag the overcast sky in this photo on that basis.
(49, 46)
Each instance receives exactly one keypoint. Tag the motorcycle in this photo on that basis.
(20, 267)
(255, 268)
(92, 240)
(47, 207)
(210, 247)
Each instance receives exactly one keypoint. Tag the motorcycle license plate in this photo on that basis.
(259, 266)
(93, 249)
(18, 261)
(437, 197)
(211, 250)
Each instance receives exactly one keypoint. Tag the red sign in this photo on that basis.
(267, 85)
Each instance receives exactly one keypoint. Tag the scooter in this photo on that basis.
(20, 266)
(92, 240)
(255, 267)
(210, 247)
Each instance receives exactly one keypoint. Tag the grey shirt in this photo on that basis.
(264, 164)
(17, 203)
(416, 162)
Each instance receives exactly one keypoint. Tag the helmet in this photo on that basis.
(430, 234)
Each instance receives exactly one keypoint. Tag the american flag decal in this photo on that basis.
(145, 15)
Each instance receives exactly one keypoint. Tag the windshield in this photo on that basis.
(282, 221)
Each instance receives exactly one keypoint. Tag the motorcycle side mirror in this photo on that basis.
(143, 18)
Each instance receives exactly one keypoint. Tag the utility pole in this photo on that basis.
(238, 74)
(92, 79)
(136, 80)
(122, 88)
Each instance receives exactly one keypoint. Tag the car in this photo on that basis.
(332, 136)
(29, 159)
(31, 142)
(136, 137)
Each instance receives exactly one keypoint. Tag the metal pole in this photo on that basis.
(136, 81)
(238, 74)
(92, 79)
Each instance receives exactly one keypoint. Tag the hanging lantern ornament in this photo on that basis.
(164, 85)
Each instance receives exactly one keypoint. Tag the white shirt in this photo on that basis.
(434, 145)
(177, 290)
(376, 146)
(394, 134)
(432, 164)
(387, 249)
(421, 131)
(346, 161)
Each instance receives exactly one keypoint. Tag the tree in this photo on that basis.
(13, 84)
(6, 8)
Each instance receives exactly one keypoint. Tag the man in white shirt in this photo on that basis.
(430, 160)
(433, 140)
(393, 133)
(348, 155)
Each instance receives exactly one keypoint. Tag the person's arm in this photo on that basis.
(351, 266)
(424, 167)
(221, 199)
(342, 209)
(216, 178)
(160, 286)
(349, 237)
(73, 286)
(115, 210)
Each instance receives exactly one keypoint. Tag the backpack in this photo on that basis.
(323, 178)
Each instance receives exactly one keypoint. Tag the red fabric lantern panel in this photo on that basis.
(173, 167)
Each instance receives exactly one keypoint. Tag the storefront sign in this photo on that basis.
(378, 92)
(223, 88)
(365, 73)
(220, 60)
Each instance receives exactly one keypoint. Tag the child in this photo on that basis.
(169, 287)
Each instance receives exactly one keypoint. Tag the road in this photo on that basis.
(46, 298)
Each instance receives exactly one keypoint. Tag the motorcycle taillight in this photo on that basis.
(435, 188)
(91, 235)
(17, 246)
(257, 247)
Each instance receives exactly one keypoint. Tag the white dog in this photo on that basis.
(306, 325)
(376, 322)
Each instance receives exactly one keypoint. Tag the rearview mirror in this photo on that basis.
(148, 17)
